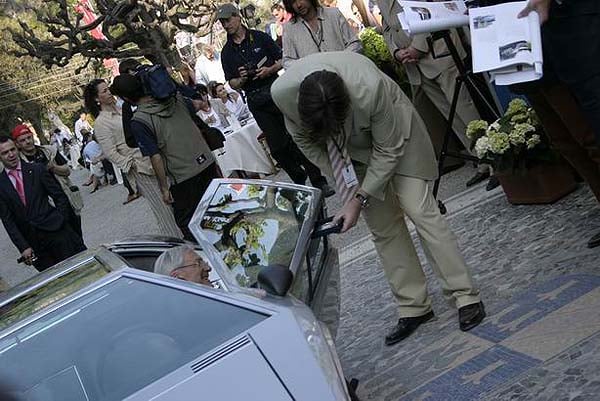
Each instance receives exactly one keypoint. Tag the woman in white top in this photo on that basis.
(232, 101)
(213, 113)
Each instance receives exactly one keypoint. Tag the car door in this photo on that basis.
(244, 226)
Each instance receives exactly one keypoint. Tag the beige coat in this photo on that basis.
(385, 131)
(108, 129)
(396, 39)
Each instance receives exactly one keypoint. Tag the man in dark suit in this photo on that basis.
(571, 42)
(38, 230)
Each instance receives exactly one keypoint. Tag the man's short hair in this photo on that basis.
(127, 65)
(5, 138)
(127, 86)
(323, 104)
(171, 259)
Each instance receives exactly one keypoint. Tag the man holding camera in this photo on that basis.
(251, 60)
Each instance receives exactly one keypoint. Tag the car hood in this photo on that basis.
(254, 377)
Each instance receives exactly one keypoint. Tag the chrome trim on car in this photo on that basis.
(220, 353)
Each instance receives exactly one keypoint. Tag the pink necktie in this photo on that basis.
(338, 163)
(18, 185)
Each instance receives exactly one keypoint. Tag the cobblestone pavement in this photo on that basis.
(541, 288)
(540, 285)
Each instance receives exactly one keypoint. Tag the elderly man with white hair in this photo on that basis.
(184, 263)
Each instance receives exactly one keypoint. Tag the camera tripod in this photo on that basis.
(467, 78)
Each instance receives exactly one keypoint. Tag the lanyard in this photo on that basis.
(318, 44)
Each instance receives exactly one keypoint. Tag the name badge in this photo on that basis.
(349, 175)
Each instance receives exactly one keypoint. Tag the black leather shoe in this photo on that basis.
(594, 241)
(405, 327)
(470, 316)
(492, 183)
(477, 178)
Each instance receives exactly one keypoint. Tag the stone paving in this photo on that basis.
(540, 285)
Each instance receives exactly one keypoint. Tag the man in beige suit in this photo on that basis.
(436, 77)
(341, 109)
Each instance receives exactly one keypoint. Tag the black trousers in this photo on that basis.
(187, 195)
(52, 247)
(283, 148)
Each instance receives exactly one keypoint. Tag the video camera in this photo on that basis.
(251, 69)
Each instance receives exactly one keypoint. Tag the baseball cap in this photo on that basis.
(227, 10)
(19, 130)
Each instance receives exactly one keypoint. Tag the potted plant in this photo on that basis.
(529, 171)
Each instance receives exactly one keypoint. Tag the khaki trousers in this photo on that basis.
(440, 90)
(412, 197)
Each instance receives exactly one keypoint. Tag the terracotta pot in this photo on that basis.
(543, 183)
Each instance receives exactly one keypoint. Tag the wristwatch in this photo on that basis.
(362, 199)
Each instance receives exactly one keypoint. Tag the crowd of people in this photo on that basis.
(325, 110)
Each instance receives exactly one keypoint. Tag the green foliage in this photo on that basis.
(374, 47)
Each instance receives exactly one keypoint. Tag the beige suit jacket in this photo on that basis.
(383, 128)
(396, 39)
(108, 129)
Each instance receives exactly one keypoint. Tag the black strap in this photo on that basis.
(318, 44)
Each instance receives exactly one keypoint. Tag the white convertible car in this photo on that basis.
(101, 327)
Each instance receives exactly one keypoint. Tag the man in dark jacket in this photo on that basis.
(39, 230)
(571, 42)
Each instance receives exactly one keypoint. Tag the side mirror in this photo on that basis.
(275, 279)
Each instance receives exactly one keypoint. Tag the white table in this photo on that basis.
(242, 151)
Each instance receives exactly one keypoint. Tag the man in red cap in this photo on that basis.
(56, 165)
(39, 230)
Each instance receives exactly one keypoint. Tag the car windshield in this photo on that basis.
(253, 226)
(51, 292)
(115, 340)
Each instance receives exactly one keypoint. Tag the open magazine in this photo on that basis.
(508, 47)
(421, 17)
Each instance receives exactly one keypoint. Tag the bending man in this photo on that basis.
(350, 118)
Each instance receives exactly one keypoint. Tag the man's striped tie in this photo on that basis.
(338, 163)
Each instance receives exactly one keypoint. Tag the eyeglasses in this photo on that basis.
(197, 263)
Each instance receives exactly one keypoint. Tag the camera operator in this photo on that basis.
(250, 61)
(166, 132)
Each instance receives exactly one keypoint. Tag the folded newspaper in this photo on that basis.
(508, 47)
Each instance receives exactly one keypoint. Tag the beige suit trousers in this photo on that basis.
(412, 197)
(440, 90)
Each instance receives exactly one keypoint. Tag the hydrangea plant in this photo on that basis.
(512, 142)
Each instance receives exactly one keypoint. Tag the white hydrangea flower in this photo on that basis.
(499, 142)
(482, 146)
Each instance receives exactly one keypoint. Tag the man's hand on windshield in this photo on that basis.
(541, 6)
